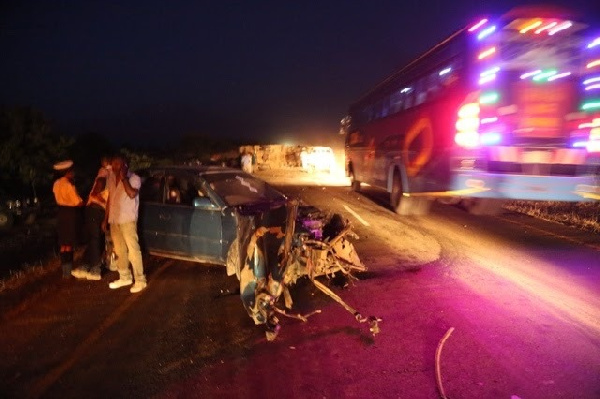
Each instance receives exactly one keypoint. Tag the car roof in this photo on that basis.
(197, 169)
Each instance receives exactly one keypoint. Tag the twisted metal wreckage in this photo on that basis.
(273, 257)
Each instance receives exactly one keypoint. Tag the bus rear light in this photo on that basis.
(467, 139)
(594, 43)
(593, 64)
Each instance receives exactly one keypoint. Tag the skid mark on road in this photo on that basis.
(595, 247)
(53, 375)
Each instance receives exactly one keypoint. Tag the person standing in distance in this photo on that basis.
(69, 206)
(121, 215)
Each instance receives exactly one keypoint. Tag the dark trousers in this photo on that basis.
(94, 215)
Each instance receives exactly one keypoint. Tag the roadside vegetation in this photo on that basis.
(583, 215)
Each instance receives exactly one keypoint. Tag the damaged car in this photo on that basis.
(226, 217)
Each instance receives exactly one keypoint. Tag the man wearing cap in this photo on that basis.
(69, 205)
(122, 215)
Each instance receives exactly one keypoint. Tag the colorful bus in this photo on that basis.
(506, 108)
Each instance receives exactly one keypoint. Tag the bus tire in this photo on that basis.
(405, 205)
(354, 184)
(483, 206)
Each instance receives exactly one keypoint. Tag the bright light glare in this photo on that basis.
(445, 71)
(562, 26)
(593, 87)
(485, 121)
(591, 105)
(594, 43)
(530, 27)
(467, 139)
(560, 75)
(486, 79)
(405, 90)
(546, 27)
(478, 25)
(486, 53)
(469, 110)
(544, 75)
(489, 98)
(490, 138)
(530, 74)
(593, 64)
(591, 80)
(486, 32)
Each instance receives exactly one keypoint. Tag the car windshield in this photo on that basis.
(241, 189)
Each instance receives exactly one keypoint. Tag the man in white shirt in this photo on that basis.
(122, 215)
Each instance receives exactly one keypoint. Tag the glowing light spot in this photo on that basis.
(467, 139)
(405, 90)
(468, 110)
(490, 138)
(591, 80)
(594, 43)
(478, 25)
(485, 121)
(592, 64)
(593, 87)
(445, 71)
(591, 105)
(558, 76)
(486, 53)
(594, 123)
(544, 75)
(530, 26)
(486, 32)
(530, 74)
(489, 98)
(562, 26)
(487, 79)
(545, 27)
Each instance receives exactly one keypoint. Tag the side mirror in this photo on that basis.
(203, 202)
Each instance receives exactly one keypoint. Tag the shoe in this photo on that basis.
(79, 273)
(137, 287)
(119, 283)
(94, 276)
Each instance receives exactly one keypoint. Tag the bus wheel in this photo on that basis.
(404, 205)
(355, 184)
(483, 206)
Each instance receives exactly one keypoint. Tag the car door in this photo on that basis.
(151, 221)
(192, 221)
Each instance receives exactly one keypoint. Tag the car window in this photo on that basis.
(181, 189)
(239, 189)
(152, 188)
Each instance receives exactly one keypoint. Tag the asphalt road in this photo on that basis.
(517, 299)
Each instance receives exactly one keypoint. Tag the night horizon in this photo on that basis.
(266, 72)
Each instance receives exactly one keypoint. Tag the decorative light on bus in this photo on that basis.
(487, 79)
(531, 26)
(593, 87)
(478, 25)
(594, 43)
(467, 139)
(558, 76)
(486, 32)
(530, 74)
(405, 90)
(488, 76)
(593, 64)
(445, 71)
(594, 123)
(544, 75)
(485, 121)
(591, 80)
(490, 138)
(489, 98)
(591, 105)
(545, 27)
(486, 53)
(562, 26)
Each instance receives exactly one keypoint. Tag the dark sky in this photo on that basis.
(258, 70)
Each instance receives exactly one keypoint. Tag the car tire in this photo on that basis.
(6, 220)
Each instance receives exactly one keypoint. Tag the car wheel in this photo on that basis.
(6, 220)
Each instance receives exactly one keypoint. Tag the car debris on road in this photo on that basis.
(311, 244)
